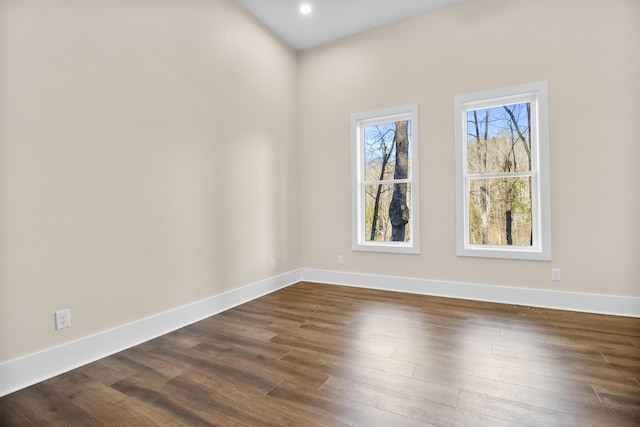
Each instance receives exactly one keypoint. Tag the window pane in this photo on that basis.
(379, 199)
(380, 150)
(500, 211)
(499, 139)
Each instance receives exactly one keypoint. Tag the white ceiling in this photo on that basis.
(333, 19)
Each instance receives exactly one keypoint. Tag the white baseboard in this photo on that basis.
(31, 369)
(572, 301)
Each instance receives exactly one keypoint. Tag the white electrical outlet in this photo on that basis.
(340, 260)
(555, 274)
(273, 264)
(63, 319)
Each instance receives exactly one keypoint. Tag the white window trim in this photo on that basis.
(358, 120)
(537, 94)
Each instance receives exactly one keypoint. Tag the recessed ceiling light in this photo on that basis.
(305, 8)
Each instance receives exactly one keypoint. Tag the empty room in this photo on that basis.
(320, 213)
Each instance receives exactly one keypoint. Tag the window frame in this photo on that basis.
(537, 95)
(358, 181)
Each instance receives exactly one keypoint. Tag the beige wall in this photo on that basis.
(148, 159)
(588, 51)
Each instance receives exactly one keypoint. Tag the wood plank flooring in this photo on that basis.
(324, 355)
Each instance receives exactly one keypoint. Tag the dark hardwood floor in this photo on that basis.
(323, 355)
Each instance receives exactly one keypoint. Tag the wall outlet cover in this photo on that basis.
(63, 319)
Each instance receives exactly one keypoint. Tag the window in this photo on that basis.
(384, 153)
(502, 173)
